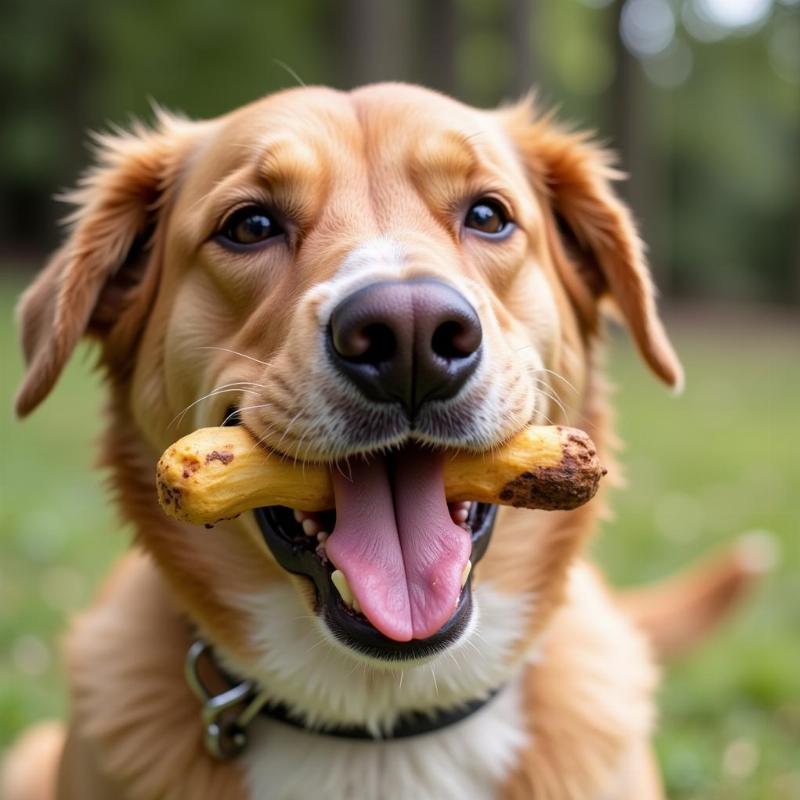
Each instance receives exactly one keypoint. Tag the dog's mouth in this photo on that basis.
(391, 563)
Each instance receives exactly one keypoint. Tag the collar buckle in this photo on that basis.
(226, 714)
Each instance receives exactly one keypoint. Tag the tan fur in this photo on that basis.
(180, 315)
(29, 768)
(586, 726)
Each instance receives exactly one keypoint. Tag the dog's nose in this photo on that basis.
(407, 341)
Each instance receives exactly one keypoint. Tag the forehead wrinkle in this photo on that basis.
(450, 154)
(289, 169)
(287, 162)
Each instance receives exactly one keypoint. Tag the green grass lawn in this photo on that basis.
(703, 468)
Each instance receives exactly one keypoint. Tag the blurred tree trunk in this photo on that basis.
(629, 126)
(435, 45)
(520, 22)
(624, 123)
(372, 41)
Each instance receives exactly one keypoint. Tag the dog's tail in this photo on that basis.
(30, 767)
(678, 612)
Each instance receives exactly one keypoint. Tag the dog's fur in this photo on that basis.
(373, 185)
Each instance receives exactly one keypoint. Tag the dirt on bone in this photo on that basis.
(570, 484)
(216, 455)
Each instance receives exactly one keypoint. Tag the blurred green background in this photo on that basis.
(701, 98)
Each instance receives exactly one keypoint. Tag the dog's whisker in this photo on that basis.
(266, 433)
(227, 387)
(314, 647)
(289, 426)
(349, 476)
(549, 390)
(553, 397)
(235, 353)
(435, 682)
(244, 408)
(556, 375)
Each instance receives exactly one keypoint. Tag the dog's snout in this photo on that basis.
(407, 341)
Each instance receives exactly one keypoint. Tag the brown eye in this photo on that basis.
(249, 226)
(488, 216)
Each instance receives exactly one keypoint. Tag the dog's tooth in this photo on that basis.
(460, 515)
(343, 587)
(465, 573)
(310, 527)
(322, 537)
(357, 605)
(299, 515)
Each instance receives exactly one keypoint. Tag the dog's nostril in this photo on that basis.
(372, 344)
(453, 340)
(382, 344)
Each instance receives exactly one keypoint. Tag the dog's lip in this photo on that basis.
(291, 550)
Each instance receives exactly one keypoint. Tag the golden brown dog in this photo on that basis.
(350, 274)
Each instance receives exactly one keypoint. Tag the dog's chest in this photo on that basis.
(467, 760)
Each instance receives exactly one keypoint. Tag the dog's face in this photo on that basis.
(368, 280)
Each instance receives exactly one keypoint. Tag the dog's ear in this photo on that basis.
(102, 275)
(597, 246)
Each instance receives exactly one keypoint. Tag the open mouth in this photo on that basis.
(391, 564)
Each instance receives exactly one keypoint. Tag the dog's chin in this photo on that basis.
(301, 553)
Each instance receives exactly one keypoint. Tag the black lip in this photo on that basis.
(291, 550)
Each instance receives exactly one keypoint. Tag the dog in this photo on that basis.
(365, 279)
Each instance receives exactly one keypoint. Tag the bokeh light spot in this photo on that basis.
(734, 13)
(647, 26)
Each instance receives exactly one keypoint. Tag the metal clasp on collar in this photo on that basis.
(225, 730)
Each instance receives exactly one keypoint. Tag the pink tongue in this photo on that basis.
(400, 551)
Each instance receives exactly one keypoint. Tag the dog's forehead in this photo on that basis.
(382, 126)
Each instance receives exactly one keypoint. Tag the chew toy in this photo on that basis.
(217, 473)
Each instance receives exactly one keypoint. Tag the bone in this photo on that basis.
(218, 473)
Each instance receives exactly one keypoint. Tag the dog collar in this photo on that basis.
(229, 706)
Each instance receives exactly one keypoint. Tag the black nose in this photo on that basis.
(407, 341)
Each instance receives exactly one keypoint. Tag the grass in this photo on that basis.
(718, 461)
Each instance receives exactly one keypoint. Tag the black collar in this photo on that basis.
(231, 706)
(414, 723)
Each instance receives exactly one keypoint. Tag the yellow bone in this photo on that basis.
(217, 473)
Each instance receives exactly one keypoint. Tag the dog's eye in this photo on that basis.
(250, 225)
(488, 216)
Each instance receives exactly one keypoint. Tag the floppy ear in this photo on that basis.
(603, 249)
(100, 273)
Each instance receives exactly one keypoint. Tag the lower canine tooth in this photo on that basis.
(343, 587)
(465, 573)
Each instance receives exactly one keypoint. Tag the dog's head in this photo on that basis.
(365, 279)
